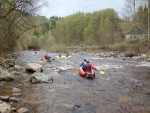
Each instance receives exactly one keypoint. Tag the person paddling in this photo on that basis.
(86, 68)
(59, 54)
(67, 54)
(47, 57)
(83, 64)
(89, 66)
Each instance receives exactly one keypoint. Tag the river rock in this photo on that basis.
(10, 62)
(5, 108)
(87, 108)
(4, 98)
(22, 110)
(13, 109)
(17, 67)
(16, 90)
(40, 78)
(20, 68)
(35, 67)
(16, 94)
(15, 73)
(148, 59)
(13, 99)
(6, 76)
(136, 57)
(1, 70)
(143, 56)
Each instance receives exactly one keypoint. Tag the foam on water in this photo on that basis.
(146, 64)
(107, 66)
(65, 61)
(110, 58)
(96, 58)
(102, 78)
(65, 67)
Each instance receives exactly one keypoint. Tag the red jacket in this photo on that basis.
(89, 67)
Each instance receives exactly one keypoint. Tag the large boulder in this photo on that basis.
(5, 108)
(6, 76)
(34, 67)
(40, 78)
(143, 56)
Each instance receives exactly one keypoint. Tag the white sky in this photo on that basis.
(64, 8)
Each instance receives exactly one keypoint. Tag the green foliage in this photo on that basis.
(58, 48)
(142, 16)
(122, 46)
(95, 28)
(16, 18)
(34, 43)
(86, 31)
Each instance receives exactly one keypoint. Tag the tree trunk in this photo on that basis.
(148, 24)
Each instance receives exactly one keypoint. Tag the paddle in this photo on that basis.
(74, 70)
(44, 60)
(100, 72)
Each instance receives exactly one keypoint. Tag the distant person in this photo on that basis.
(35, 52)
(47, 57)
(59, 54)
(67, 54)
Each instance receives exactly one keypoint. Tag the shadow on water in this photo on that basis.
(124, 88)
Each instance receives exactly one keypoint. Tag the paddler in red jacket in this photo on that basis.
(89, 66)
(87, 72)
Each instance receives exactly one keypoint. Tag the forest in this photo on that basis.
(103, 30)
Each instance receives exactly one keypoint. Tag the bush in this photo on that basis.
(34, 43)
(123, 46)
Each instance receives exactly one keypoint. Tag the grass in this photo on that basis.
(125, 46)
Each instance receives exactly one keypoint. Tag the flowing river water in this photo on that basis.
(124, 88)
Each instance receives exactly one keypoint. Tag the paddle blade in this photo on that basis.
(102, 72)
(44, 60)
(74, 70)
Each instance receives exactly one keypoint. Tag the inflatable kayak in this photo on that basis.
(44, 60)
(63, 57)
(86, 74)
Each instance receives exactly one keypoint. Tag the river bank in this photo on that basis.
(126, 55)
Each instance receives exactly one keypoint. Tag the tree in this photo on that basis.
(34, 43)
(148, 24)
(108, 27)
(91, 31)
(96, 28)
(16, 18)
(131, 7)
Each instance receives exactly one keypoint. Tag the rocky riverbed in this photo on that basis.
(124, 88)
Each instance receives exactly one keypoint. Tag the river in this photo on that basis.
(124, 88)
